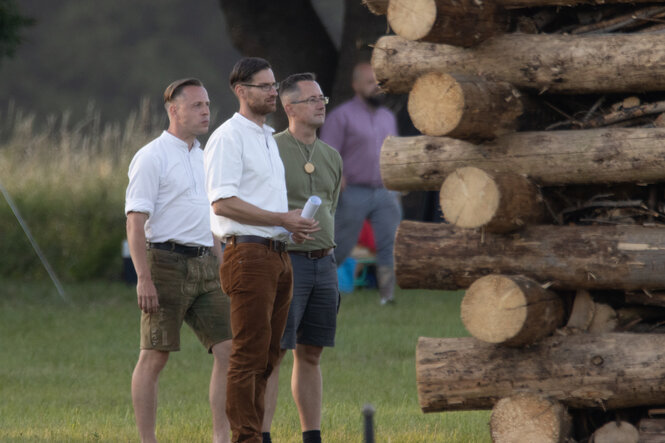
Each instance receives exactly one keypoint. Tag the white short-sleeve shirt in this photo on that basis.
(167, 182)
(242, 160)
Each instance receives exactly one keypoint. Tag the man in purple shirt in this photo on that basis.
(357, 129)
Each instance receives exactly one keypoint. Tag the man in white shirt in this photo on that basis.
(176, 255)
(247, 190)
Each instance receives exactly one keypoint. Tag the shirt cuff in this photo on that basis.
(227, 191)
(139, 205)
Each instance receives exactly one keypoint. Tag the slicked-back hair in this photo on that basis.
(173, 90)
(245, 68)
(290, 84)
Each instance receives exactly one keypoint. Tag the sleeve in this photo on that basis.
(338, 185)
(143, 187)
(332, 131)
(223, 165)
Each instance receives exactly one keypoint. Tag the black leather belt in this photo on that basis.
(190, 251)
(319, 253)
(273, 245)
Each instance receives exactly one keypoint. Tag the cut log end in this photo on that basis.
(377, 7)
(510, 310)
(436, 104)
(412, 19)
(529, 418)
(616, 432)
(469, 198)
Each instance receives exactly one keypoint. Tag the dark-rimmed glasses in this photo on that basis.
(265, 87)
(312, 101)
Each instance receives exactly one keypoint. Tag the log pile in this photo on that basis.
(543, 127)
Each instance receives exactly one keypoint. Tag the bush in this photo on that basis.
(68, 183)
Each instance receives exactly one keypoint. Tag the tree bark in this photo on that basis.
(608, 371)
(460, 23)
(529, 418)
(499, 202)
(438, 256)
(536, 3)
(510, 310)
(652, 430)
(610, 155)
(540, 62)
(464, 107)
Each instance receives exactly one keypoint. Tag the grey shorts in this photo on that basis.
(188, 289)
(313, 312)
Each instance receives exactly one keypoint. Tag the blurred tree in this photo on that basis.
(293, 38)
(11, 24)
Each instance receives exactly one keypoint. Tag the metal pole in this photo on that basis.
(34, 244)
(368, 412)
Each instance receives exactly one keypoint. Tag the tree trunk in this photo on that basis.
(652, 430)
(529, 418)
(616, 432)
(464, 107)
(643, 298)
(377, 7)
(510, 310)
(500, 202)
(460, 23)
(609, 371)
(610, 155)
(537, 3)
(540, 62)
(438, 256)
(265, 28)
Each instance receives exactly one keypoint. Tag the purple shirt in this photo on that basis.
(357, 131)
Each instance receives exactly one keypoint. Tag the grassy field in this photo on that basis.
(66, 370)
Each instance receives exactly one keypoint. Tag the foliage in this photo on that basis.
(68, 182)
(11, 25)
(66, 370)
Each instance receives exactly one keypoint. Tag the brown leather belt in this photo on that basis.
(273, 245)
(319, 253)
(190, 251)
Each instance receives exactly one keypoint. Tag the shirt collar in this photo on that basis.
(241, 119)
(179, 142)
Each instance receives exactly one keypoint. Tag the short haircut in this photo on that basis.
(290, 84)
(175, 89)
(245, 68)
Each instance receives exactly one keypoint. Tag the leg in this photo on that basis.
(307, 385)
(220, 424)
(144, 391)
(272, 389)
(353, 207)
(385, 218)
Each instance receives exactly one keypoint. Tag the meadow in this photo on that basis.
(66, 370)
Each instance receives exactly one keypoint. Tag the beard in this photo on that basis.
(263, 107)
(376, 100)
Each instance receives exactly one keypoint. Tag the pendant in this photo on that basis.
(309, 167)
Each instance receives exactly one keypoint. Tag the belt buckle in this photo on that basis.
(310, 256)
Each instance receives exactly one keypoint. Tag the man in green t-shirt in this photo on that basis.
(312, 168)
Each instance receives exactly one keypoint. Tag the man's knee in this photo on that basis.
(308, 354)
(152, 361)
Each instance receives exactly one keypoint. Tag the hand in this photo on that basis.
(147, 296)
(293, 222)
(300, 237)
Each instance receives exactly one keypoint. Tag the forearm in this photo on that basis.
(246, 213)
(136, 239)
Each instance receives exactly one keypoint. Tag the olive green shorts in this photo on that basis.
(188, 289)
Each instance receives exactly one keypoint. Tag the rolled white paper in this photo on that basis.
(311, 207)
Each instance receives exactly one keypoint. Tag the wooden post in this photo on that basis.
(610, 371)
(540, 62)
(500, 202)
(439, 256)
(510, 310)
(529, 418)
(464, 107)
(610, 155)
(460, 23)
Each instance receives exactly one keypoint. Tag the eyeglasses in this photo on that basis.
(313, 101)
(265, 87)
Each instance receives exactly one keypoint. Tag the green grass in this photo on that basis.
(66, 369)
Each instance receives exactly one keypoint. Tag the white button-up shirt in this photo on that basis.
(242, 160)
(167, 182)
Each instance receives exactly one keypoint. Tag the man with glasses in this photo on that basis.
(247, 190)
(166, 206)
(312, 168)
(357, 129)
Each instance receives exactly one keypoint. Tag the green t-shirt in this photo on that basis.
(324, 182)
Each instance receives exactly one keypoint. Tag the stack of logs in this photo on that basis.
(555, 228)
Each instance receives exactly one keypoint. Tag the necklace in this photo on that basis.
(309, 166)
